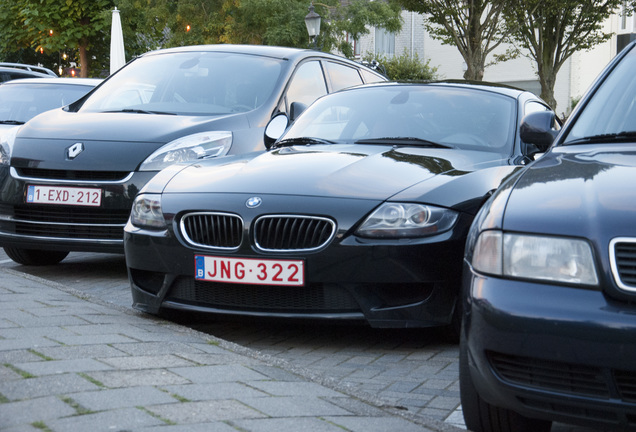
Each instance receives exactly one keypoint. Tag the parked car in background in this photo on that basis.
(359, 212)
(11, 73)
(23, 99)
(27, 67)
(74, 172)
(549, 280)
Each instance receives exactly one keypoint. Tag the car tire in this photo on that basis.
(35, 257)
(480, 416)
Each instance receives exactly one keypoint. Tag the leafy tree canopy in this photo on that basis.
(52, 27)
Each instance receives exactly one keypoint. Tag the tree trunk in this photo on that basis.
(474, 68)
(84, 59)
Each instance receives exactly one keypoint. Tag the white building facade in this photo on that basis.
(573, 79)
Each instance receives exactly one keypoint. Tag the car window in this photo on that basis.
(24, 101)
(307, 84)
(370, 77)
(342, 76)
(533, 106)
(612, 109)
(456, 117)
(192, 83)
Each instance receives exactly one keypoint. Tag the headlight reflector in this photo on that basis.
(189, 148)
(399, 220)
(523, 256)
(146, 211)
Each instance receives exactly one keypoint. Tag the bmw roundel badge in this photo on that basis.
(253, 202)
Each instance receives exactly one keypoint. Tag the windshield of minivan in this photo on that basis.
(188, 83)
(610, 115)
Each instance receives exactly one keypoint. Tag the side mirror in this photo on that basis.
(275, 129)
(538, 130)
(295, 109)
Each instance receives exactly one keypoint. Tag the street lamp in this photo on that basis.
(312, 21)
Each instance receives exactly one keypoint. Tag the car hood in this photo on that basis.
(336, 170)
(582, 191)
(113, 141)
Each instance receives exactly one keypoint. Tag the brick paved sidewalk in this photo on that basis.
(71, 363)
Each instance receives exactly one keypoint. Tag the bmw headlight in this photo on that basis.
(525, 256)
(146, 212)
(399, 220)
(7, 139)
(189, 148)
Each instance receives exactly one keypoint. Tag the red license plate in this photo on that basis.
(250, 271)
(64, 195)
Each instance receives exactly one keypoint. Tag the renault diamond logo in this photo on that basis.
(73, 151)
(253, 202)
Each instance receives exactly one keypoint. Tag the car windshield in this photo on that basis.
(188, 83)
(21, 102)
(411, 115)
(610, 115)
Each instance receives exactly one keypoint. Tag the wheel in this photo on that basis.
(481, 416)
(35, 257)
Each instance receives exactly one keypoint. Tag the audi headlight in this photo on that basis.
(146, 212)
(524, 256)
(189, 148)
(399, 220)
(7, 139)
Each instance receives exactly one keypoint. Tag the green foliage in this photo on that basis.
(81, 28)
(51, 27)
(406, 68)
(551, 32)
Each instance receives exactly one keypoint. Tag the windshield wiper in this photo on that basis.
(404, 141)
(625, 136)
(11, 122)
(140, 111)
(301, 140)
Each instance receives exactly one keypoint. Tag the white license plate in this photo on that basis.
(249, 271)
(64, 195)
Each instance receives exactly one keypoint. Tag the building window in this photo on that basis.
(355, 46)
(384, 42)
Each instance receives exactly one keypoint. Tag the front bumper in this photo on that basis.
(551, 352)
(412, 285)
(66, 227)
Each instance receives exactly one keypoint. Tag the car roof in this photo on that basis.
(481, 85)
(23, 72)
(263, 50)
(51, 80)
(28, 67)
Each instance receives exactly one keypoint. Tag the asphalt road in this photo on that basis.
(415, 370)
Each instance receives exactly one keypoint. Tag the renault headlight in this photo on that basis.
(146, 211)
(399, 220)
(525, 256)
(189, 148)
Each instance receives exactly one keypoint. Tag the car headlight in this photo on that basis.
(399, 220)
(189, 148)
(146, 211)
(7, 139)
(524, 256)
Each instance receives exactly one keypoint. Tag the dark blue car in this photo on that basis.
(549, 321)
